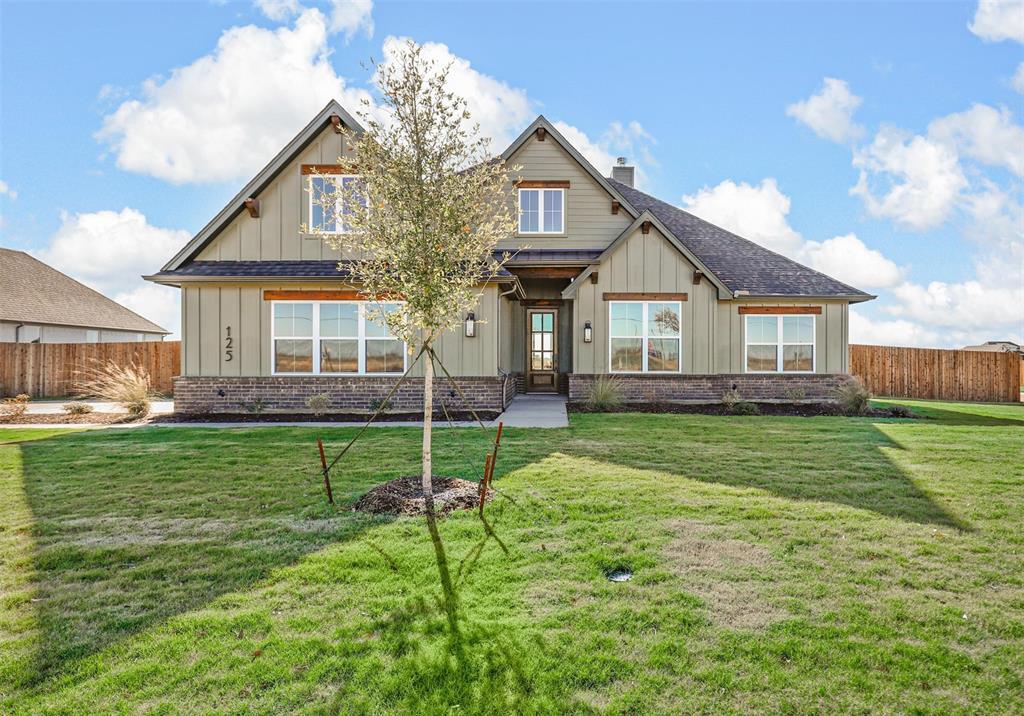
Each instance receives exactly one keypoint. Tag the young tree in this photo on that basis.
(422, 222)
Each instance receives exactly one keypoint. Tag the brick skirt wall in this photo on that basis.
(710, 388)
(288, 394)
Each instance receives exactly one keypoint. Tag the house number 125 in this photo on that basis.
(228, 344)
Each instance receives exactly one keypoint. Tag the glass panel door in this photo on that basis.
(541, 360)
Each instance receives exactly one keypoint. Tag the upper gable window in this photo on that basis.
(327, 209)
(541, 211)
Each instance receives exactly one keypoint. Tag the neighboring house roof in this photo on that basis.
(997, 347)
(739, 263)
(212, 270)
(32, 292)
(261, 180)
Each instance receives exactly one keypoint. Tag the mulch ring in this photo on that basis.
(404, 496)
(806, 410)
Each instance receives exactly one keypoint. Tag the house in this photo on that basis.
(39, 304)
(998, 347)
(612, 281)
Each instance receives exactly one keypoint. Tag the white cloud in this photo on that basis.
(501, 111)
(757, 212)
(225, 115)
(1017, 81)
(6, 190)
(829, 112)
(347, 16)
(914, 180)
(110, 251)
(889, 332)
(997, 20)
(619, 140)
(849, 259)
(984, 133)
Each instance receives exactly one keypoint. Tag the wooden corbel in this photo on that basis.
(336, 123)
(253, 205)
(593, 277)
(616, 206)
(645, 227)
(541, 134)
(697, 276)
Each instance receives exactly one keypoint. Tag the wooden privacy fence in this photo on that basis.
(941, 374)
(54, 369)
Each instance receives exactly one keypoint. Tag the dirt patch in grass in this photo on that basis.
(404, 496)
(805, 410)
(726, 573)
(65, 419)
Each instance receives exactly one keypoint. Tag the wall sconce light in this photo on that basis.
(588, 332)
(470, 325)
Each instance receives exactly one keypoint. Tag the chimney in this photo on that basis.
(622, 173)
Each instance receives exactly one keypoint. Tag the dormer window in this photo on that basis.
(542, 211)
(327, 209)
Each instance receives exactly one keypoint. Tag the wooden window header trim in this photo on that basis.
(779, 310)
(323, 169)
(645, 296)
(532, 184)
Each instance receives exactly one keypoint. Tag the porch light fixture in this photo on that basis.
(588, 332)
(470, 325)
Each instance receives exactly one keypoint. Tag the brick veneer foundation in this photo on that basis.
(710, 388)
(282, 394)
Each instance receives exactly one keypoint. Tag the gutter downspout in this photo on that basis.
(497, 327)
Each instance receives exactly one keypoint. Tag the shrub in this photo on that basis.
(77, 407)
(744, 407)
(318, 404)
(380, 404)
(126, 385)
(13, 407)
(730, 398)
(604, 393)
(853, 397)
(796, 395)
(256, 407)
(21, 398)
(901, 411)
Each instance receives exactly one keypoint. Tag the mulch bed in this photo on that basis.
(65, 419)
(439, 419)
(806, 410)
(404, 496)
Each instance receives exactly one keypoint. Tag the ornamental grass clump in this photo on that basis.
(128, 386)
(853, 397)
(77, 407)
(605, 393)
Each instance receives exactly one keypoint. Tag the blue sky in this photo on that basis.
(900, 173)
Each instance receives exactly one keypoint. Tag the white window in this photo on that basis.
(644, 337)
(327, 205)
(541, 211)
(335, 337)
(780, 344)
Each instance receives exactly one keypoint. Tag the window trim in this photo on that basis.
(337, 179)
(540, 211)
(360, 338)
(780, 343)
(644, 338)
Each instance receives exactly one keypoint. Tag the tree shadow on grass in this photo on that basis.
(838, 460)
(995, 415)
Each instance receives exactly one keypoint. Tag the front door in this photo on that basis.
(542, 358)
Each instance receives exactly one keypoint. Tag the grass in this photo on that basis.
(784, 565)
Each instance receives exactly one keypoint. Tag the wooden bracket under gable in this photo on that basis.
(645, 227)
(541, 134)
(697, 276)
(253, 206)
(336, 123)
(616, 206)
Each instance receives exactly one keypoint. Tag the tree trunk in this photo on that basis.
(428, 417)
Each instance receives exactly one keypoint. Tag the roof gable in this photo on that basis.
(261, 180)
(34, 292)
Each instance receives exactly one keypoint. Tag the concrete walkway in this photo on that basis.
(56, 407)
(535, 411)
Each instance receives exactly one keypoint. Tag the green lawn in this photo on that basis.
(792, 565)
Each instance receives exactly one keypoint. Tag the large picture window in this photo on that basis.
(334, 337)
(644, 337)
(327, 205)
(541, 211)
(780, 344)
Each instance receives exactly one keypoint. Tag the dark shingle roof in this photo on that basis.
(739, 263)
(33, 292)
(263, 269)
